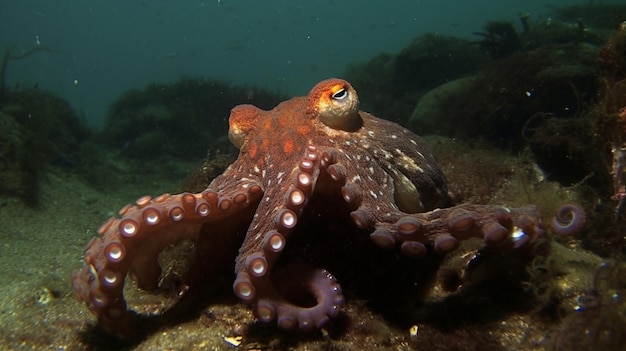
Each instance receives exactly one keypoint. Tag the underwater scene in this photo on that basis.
(329, 175)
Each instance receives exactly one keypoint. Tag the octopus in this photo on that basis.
(321, 149)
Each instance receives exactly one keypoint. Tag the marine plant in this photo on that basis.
(176, 119)
(592, 14)
(499, 39)
(611, 112)
(37, 129)
(9, 56)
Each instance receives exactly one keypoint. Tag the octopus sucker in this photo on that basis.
(257, 265)
(307, 166)
(110, 278)
(311, 153)
(408, 226)
(383, 238)
(351, 194)
(274, 242)
(362, 218)
(143, 201)
(317, 156)
(151, 216)
(125, 209)
(445, 244)
(105, 226)
(161, 198)
(176, 213)
(210, 196)
(329, 158)
(337, 172)
(224, 205)
(286, 220)
(295, 199)
(305, 182)
(461, 220)
(265, 311)
(413, 249)
(495, 233)
(243, 288)
(240, 199)
(115, 252)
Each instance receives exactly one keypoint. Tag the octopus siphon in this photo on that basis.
(318, 147)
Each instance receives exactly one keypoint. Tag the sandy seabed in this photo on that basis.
(41, 246)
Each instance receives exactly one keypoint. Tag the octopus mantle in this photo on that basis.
(307, 148)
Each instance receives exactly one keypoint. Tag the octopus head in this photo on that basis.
(336, 104)
(242, 120)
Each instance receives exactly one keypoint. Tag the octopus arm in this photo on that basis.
(378, 207)
(499, 227)
(132, 243)
(258, 282)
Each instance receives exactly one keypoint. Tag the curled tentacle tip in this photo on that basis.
(568, 220)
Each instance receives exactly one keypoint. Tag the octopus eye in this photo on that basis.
(336, 104)
(340, 94)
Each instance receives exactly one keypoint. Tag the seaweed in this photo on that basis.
(600, 319)
(8, 56)
(179, 120)
(593, 14)
(37, 129)
(610, 122)
(500, 39)
(389, 84)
